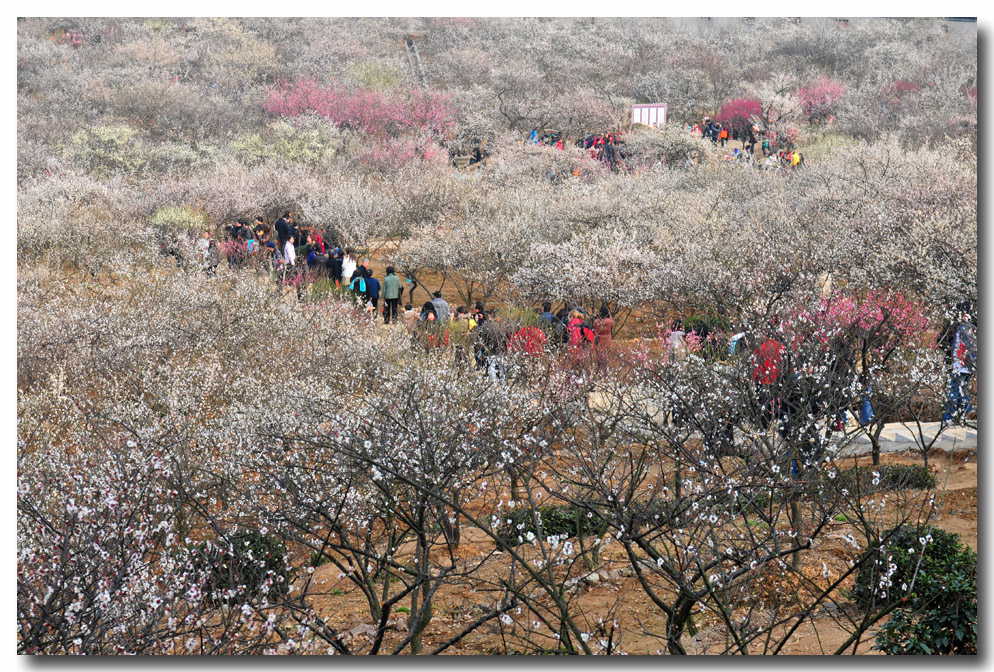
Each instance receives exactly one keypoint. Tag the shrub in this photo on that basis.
(934, 575)
(567, 520)
(668, 146)
(309, 141)
(173, 221)
(106, 150)
(950, 627)
(245, 565)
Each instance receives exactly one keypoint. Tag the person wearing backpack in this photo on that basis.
(582, 337)
(358, 284)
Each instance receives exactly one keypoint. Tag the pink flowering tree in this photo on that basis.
(365, 110)
(886, 335)
(819, 98)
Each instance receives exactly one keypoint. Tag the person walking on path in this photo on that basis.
(391, 295)
(289, 252)
(372, 290)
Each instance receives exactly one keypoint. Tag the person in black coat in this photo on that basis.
(283, 230)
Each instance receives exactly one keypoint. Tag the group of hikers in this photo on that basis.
(605, 147)
(492, 339)
(792, 403)
(297, 251)
(774, 155)
(610, 147)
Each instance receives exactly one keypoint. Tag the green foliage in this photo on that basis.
(705, 324)
(310, 143)
(170, 221)
(546, 521)
(106, 150)
(935, 583)
(318, 558)
(324, 288)
(242, 563)
(948, 627)
(375, 75)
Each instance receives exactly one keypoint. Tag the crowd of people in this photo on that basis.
(775, 154)
(300, 254)
(492, 339)
(608, 148)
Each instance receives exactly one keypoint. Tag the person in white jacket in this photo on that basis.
(289, 252)
(348, 267)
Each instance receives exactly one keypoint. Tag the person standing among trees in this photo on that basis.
(492, 338)
(441, 307)
(335, 265)
(282, 226)
(964, 361)
(357, 285)
(603, 328)
(289, 252)
(410, 318)
(478, 313)
(391, 295)
(372, 290)
(546, 315)
(348, 266)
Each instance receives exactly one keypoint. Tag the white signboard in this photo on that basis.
(653, 114)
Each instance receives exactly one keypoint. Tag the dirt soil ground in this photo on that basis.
(624, 601)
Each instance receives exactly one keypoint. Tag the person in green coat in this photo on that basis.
(392, 290)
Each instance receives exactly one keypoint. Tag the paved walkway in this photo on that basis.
(900, 437)
(897, 437)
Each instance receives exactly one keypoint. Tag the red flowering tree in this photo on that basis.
(738, 113)
(819, 98)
